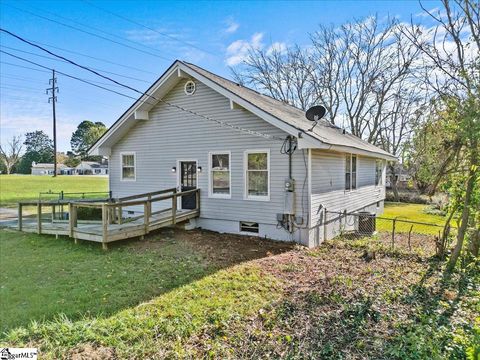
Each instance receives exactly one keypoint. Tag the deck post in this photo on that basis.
(146, 215)
(120, 215)
(174, 209)
(197, 200)
(53, 213)
(72, 210)
(39, 217)
(104, 226)
(20, 217)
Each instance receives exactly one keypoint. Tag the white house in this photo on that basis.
(195, 129)
(46, 168)
(91, 168)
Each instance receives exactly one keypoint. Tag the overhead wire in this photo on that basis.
(219, 122)
(148, 28)
(93, 34)
(55, 59)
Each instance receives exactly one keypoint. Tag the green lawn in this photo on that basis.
(414, 212)
(409, 212)
(14, 188)
(199, 294)
(45, 281)
(42, 277)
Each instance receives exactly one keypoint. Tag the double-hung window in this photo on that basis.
(350, 172)
(378, 172)
(220, 178)
(257, 174)
(128, 166)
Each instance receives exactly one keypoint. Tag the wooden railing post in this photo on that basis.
(20, 217)
(72, 217)
(197, 200)
(104, 226)
(120, 215)
(146, 215)
(39, 217)
(174, 208)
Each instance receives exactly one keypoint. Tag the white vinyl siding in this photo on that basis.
(257, 174)
(171, 134)
(220, 175)
(328, 187)
(128, 163)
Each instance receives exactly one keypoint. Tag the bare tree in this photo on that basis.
(363, 72)
(11, 154)
(452, 49)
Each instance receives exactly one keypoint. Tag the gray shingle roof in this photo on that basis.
(324, 131)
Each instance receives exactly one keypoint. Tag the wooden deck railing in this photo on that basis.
(112, 214)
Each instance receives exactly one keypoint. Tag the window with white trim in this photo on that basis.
(350, 172)
(378, 172)
(128, 166)
(257, 175)
(220, 174)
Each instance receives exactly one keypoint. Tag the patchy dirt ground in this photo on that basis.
(221, 249)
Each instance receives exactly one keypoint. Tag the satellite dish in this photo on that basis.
(315, 113)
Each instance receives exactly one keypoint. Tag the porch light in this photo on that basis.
(174, 169)
(199, 168)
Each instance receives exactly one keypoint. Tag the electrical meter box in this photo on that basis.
(289, 185)
(289, 203)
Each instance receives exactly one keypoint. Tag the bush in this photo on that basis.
(89, 214)
(412, 197)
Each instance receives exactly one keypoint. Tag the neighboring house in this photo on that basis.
(402, 175)
(91, 168)
(46, 168)
(210, 133)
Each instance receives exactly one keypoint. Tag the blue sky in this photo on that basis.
(213, 35)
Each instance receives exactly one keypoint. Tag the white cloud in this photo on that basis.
(232, 25)
(238, 50)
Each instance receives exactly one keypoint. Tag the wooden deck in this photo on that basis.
(113, 225)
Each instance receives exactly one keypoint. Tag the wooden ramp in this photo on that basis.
(111, 225)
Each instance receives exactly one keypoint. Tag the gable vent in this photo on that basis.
(189, 87)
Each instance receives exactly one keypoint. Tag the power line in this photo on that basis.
(62, 73)
(20, 66)
(51, 58)
(69, 61)
(93, 34)
(149, 28)
(11, 76)
(221, 123)
(95, 58)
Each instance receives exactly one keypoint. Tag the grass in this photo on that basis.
(79, 294)
(414, 212)
(197, 295)
(411, 212)
(60, 277)
(16, 188)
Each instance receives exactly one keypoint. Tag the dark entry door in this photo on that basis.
(188, 181)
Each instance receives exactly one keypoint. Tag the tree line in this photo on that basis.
(408, 88)
(17, 156)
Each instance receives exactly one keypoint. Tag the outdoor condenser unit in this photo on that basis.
(366, 223)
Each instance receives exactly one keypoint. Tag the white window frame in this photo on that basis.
(350, 158)
(382, 169)
(245, 177)
(134, 165)
(211, 194)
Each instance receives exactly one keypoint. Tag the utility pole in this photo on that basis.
(53, 89)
